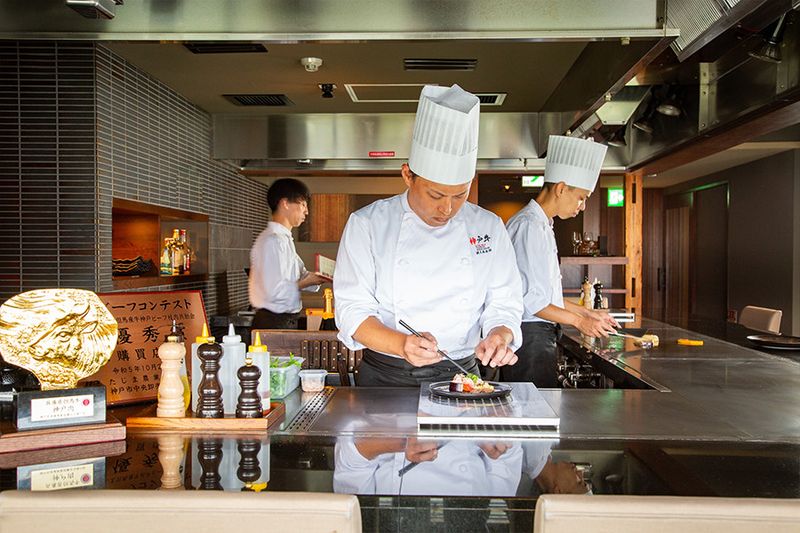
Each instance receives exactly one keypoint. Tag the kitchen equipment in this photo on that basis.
(776, 342)
(313, 379)
(524, 412)
(440, 352)
(442, 389)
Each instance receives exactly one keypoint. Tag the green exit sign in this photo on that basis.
(616, 197)
(532, 181)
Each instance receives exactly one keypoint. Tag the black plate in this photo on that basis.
(776, 342)
(442, 388)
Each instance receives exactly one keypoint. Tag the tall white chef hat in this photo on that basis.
(576, 162)
(444, 145)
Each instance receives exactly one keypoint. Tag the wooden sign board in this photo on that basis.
(144, 319)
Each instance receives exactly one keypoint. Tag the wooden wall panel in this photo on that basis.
(633, 242)
(653, 266)
(328, 214)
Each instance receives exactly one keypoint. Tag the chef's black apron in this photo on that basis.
(379, 370)
(266, 319)
(538, 360)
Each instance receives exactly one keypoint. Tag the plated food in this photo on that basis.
(470, 383)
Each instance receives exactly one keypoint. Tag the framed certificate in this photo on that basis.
(325, 265)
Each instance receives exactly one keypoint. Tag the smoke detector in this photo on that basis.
(311, 64)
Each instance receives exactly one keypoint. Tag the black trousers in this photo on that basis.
(537, 356)
(379, 370)
(265, 319)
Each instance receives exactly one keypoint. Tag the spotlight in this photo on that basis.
(327, 89)
(670, 106)
(770, 50)
(618, 138)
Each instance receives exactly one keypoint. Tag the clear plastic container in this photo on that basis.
(313, 379)
(283, 379)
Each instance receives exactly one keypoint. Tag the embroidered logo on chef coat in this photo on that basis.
(480, 244)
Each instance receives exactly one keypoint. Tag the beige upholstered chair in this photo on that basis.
(565, 513)
(761, 318)
(132, 511)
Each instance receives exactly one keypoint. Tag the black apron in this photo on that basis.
(379, 370)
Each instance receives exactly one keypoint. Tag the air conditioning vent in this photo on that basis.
(225, 48)
(491, 98)
(272, 100)
(439, 64)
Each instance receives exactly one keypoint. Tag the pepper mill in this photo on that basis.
(170, 389)
(598, 297)
(249, 468)
(249, 402)
(209, 455)
(170, 454)
(209, 393)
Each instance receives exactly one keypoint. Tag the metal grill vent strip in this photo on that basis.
(309, 413)
(439, 64)
(225, 48)
(272, 100)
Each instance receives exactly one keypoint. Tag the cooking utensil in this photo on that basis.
(440, 352)
(409, 466)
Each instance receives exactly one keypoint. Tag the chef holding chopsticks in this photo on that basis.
(443, 266)
(571, 171)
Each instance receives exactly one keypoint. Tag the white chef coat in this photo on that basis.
(453, 281)
(531, 232)
(275, 269)
(461, 468)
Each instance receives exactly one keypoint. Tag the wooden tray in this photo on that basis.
(12, 440)
(229, 424)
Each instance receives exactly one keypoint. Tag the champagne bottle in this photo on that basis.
(187, 253)
(177, 253)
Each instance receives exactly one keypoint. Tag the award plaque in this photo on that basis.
(61, 336)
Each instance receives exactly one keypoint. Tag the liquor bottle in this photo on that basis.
(328, 323)
(187, 252)
(177, 253)
(166, 258)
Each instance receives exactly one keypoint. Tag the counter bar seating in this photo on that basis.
(565, 513)
(761, 318)
(135, 511)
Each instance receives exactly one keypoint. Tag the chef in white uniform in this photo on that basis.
(444, 266)
(571, 171)
(410, 466)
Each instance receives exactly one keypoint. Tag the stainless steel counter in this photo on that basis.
(716, 392)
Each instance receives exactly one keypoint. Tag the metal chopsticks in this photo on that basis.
(440, 352)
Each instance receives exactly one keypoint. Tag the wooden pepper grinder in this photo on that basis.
(170, 389)
(598, 297)
(170, 454)
(209, 455)
(248, 404)
(249, 468)
(209, 393)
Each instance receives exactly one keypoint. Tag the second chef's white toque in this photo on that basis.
(576, 162)
(444, 145)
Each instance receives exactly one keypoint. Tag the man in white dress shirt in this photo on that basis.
(444, 266)
(277, 274)
(571, 171)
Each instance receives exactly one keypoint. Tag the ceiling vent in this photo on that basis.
(439, 64)
(491, 99)
(94, 9)
(225, 48)
(271, 100)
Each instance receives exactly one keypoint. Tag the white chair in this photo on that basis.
(761, 318)
(566, 513)
(168, 511)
